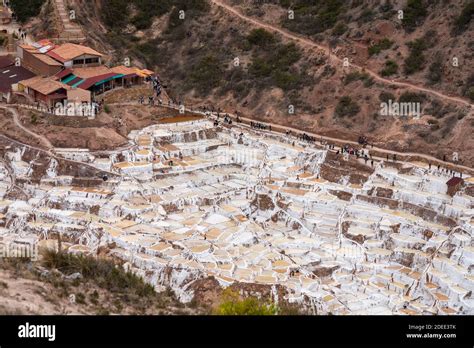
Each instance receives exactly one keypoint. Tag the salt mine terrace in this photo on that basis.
(189, 200)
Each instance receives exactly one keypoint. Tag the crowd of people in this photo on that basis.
(157, 90)
(261, 126)
(155, 82)
(307, 138)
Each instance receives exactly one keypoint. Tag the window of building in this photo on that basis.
(92, 60)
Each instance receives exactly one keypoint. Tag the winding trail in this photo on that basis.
(17, 122)
(334, 58)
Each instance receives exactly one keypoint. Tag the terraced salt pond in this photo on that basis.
(189, 200)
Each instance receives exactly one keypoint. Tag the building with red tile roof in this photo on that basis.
(70, 66)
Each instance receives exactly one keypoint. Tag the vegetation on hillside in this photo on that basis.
(339, 29)
(233, 304)
(416, 60)
(366, 15)
(386, 96)
(104, 272)
(311, 16)
(117, 13)
(356, 76)
(435, 71)
(206, 75)
(261, 37)
(346, 107)
(273, 63)
(215, 57)
(413, 14)
(465, 18)
(411, 97)
(469, 87)
(216, 65)
(100, 286)
(390, 68)
(381, 45)
(26, 9)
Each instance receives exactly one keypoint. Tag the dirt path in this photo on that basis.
(431, 159)
(17, 122)
(276, 128)
(311, 44)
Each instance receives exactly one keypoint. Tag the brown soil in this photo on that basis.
(335, 168)
(106, 131)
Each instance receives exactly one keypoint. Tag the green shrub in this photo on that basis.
(286, 55)
(80, 298)
(383, 44)
(260, 68)
(117, 13)
(147, 10)
(94, 297)
(232, 304)
(207, 74)
(468, 89)
(413, 14)
(416, 60)
(410, 97)
(470, 93)
(346, 107)
(368, 82)
(464, 19)
(386, 7)
(275, 64)
(286, 80)
(356, 76)
(26, 9)
(261, 37)
(313, 16)
(390, 68)
(339, 29)
(367, 15)
(435, 72)
(386, 96)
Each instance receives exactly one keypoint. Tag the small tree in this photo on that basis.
(233, 304)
